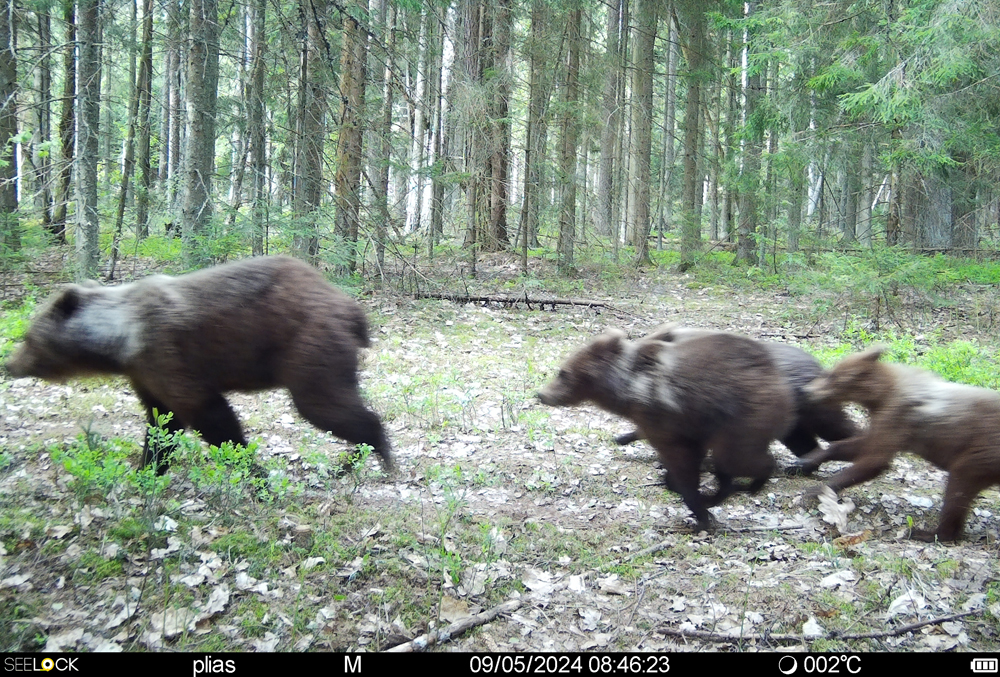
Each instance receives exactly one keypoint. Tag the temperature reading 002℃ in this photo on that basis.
(820, 665)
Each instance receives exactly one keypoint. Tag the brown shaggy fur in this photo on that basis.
(184, 341)
(953, 426)
(720, 392)
(813, 420)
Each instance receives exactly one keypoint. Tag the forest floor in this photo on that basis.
(498, 500)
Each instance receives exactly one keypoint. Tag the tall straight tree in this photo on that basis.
(40, 159)
(419, 89)
(145, 99)
(569, 144)
(175, 73)
(485, 104)
(255, 126)
(138, 106)
(694, 52)
(347, 181)
(67, 124)
(10, 226)
(665, 203)
(498, 162)
(753, 133)
(311, 121)
(534, 150)
(202, 91)
(380, 149)
(611, 114)
(477, 32)
(88, 151)
(642, 127)
(441, 160)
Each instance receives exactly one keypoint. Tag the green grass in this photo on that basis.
(957, 360)
(14, 322)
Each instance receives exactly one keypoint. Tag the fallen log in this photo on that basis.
(510, 301)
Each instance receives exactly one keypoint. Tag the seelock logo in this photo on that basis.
(33, 664)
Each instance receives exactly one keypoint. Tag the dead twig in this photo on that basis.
(433, 637)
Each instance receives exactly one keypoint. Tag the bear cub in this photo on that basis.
(719, 391)
(812, 420)
(185, 341)
(956, 427)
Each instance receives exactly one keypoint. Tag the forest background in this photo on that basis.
(343, 131)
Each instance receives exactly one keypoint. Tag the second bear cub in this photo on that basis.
(953, 426)
(720, 391)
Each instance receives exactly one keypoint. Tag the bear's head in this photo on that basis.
(587, 373)
(62, 341)
(856, 378)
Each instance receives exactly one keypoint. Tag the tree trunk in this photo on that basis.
(256, 128)
(67, 125)
(534, 150)
(850, 198)
(10, 225)
(690, 197)
(642, 127)
(498, 161)
(477, 31)
(145, 122)
(127, 166)
(88, 95)
(106, 135)
(380, 148)
(893, 224)
(42, 161)
(163, 165)
(611, 114)
(665, 203)
(202, 90)
(349, 144)
(311, 124)
(178, 127)
(750, 175)
(239, 140)
(570, 134)
(415, 178)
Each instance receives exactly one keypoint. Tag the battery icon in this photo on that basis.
(984, 665)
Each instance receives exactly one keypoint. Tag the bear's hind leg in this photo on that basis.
(341, 412)
(217, 422)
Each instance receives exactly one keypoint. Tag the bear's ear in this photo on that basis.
(665, 332)
(873, 353)
(613, 340)
(68, 301)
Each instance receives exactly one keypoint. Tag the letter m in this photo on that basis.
(351, 667)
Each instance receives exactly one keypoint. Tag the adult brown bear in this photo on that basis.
(185, 341)
(812, 420)
(719, 391)
(953, 426)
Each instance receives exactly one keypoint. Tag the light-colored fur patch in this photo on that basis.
(106, 327)
(935, 398)
(649, 388)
